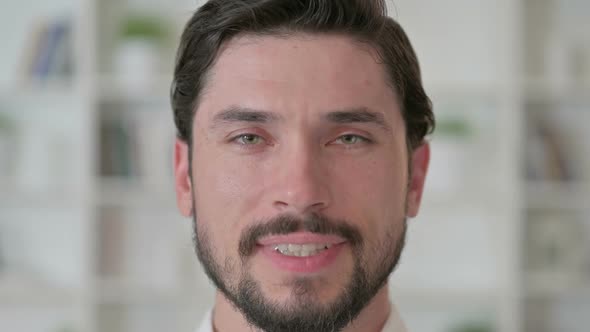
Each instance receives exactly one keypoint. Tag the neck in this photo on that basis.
(372, 318)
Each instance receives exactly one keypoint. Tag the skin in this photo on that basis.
(300, 160)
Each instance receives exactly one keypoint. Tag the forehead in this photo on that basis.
(297, 74)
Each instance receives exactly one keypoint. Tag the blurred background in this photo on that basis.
(91, 241)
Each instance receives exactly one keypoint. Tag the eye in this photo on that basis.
(351, 139)
(248, 139)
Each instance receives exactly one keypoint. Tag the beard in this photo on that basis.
(373, 263)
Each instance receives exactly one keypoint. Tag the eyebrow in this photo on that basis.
(353, 115)
(244, 114)
(358, 115)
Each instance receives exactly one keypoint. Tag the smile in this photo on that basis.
(301, 250)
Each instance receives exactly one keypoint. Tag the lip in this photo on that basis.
(305, 265)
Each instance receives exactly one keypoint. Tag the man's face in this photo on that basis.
(300, 183)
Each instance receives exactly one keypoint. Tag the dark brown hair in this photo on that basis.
(216, 22)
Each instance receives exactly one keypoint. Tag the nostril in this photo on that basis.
(280, 205)
(318, 205)
(303, 208)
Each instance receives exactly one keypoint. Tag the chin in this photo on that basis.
(315, 290)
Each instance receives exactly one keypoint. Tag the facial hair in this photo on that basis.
(303, 312)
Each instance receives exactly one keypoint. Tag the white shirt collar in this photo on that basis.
(393, 323)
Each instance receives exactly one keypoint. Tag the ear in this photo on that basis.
(419, 164)
(182, 180)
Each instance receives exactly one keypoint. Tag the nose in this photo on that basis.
(304, 185)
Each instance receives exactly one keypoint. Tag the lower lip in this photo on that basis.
(307, 264)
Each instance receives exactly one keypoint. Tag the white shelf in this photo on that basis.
(557, 195)
(52, 199)
(25, 290)
(462, 92)
(454, 198)
(111, 89)
(122, 291)
(436, 297)
(40, 92)
(115, 191)
(548, 285)
(541, 90)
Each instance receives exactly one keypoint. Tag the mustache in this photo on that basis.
(288, 223)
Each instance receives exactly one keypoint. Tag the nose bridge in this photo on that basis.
(303, 187)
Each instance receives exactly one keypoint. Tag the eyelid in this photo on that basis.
(243, 131)
(235, 135)
(365, 138)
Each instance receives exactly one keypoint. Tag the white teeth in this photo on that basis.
(301, 250)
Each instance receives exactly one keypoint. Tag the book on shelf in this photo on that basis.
(136, 147)
(49, 53)
(8, 140)
(118, 149)
(137, 250)
(557, 246)
(546, 154)
(111, 239)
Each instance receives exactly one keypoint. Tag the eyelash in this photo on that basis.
(362, 139)
(237, 139)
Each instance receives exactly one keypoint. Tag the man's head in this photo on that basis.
(300, 153)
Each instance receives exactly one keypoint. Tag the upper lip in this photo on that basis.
(301, 238)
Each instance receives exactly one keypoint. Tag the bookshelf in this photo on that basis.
(556, 272)
(500, 243)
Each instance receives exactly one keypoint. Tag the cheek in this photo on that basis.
(224, 191)
(372, 192)
(215, 201)
(374, 181)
